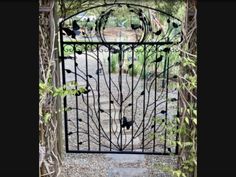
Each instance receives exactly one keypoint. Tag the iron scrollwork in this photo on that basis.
(124, 71)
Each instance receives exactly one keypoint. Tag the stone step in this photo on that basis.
(81, 84)
(114, 123)
(94, 93)
(128, 172)
(105, 117)
(136, 141)
(126, 158)
(105, 107)
(128, 143)
(115, 126)
(102, 100)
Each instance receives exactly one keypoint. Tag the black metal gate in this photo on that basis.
(124, 69)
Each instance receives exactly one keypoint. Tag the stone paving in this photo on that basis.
(115, 165)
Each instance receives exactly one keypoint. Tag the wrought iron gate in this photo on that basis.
(123, 68)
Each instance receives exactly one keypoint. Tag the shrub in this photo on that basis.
(114, 63)
(136, 69)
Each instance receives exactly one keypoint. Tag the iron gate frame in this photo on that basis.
(105, 43)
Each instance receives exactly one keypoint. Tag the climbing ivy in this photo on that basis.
(187, 127)
(46, 89)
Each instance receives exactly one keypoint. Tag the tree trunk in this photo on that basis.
(49, 157)
(190, 45)
(58, 84)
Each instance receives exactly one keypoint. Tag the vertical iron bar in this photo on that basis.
(166, 112)
(121, 95)
(144, 83)
(76, 99)
(109, 71)
(177, 127)
(64, 82)
(99, 129)
(155, 104)
(87, 83)
(132, 96)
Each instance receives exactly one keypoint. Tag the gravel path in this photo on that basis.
(105, 165)
(112, 165)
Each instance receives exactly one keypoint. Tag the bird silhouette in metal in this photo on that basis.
(127, 123)
(75, 26)
(135, 26)
(69, 32)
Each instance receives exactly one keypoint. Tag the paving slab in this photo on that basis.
(128, 172)
(126, 158)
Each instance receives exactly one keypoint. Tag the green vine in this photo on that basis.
(187, 129)
(48, 89)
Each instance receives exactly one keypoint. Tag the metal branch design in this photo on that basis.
(116, 110)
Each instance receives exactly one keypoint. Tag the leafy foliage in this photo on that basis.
(114, 63)
(46, 89)
(135, 70)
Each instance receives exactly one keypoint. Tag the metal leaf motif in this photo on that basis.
(79, 52)
(116, 107)
(68, 71)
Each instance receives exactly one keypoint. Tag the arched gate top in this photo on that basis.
(142, 24)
